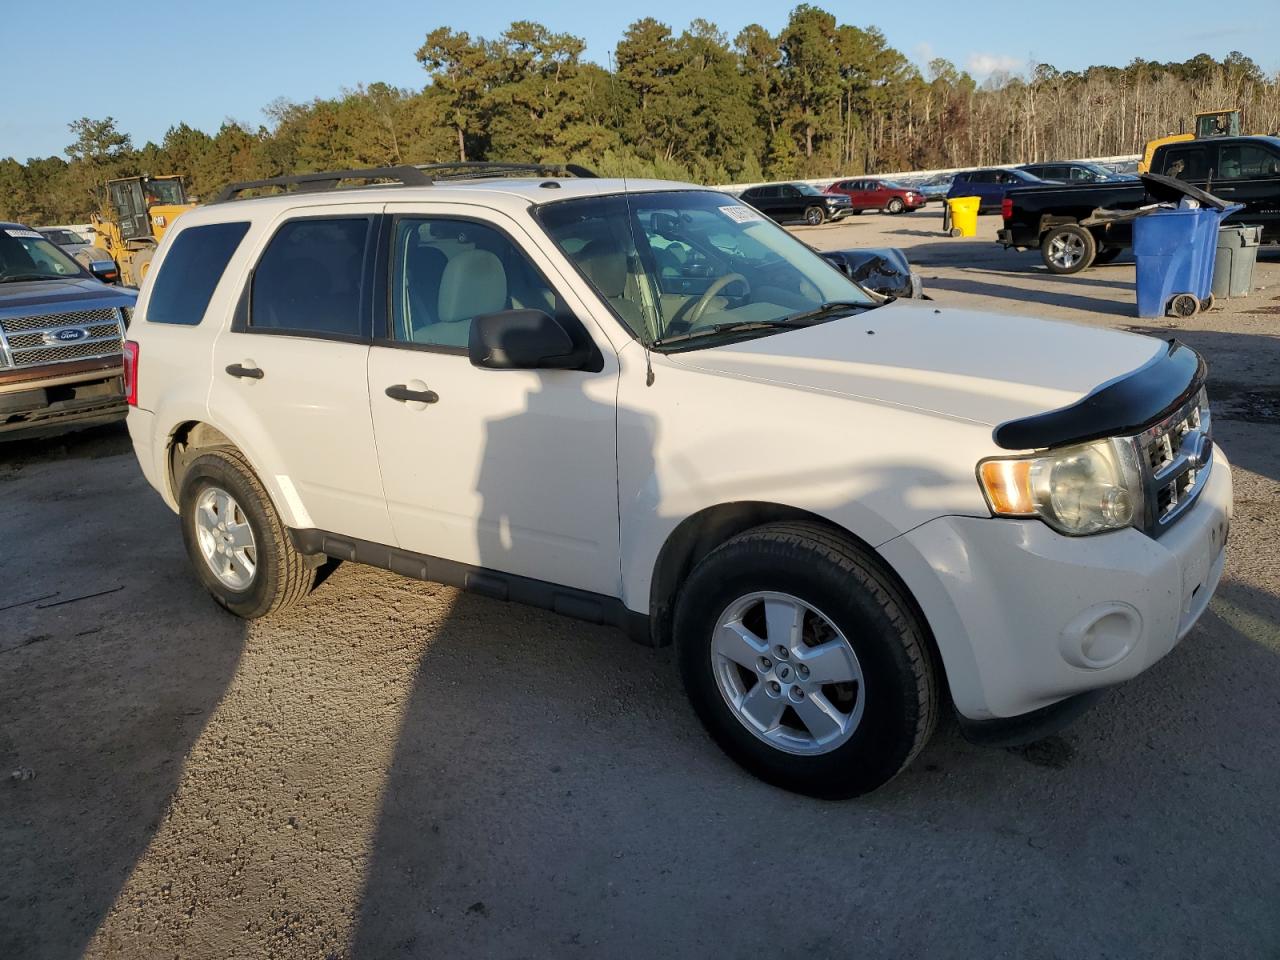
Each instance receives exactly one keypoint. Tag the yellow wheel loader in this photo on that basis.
(138, 211)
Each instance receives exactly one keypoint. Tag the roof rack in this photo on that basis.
(404, 174)
(420, 175)
(475, 169)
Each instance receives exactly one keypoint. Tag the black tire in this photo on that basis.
(896, 206)
(849, 585)
(283, 576)
(1068, 248)
(1107, 254)
(140, 265)
(815, 216)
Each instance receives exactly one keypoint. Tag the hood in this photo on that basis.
(42, 294)
(985, 368)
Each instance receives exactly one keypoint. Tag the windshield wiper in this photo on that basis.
(796, 320)
(27, 276)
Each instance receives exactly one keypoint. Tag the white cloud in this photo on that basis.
(982, 64)
(924, 52)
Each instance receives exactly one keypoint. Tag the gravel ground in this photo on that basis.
(400, 770)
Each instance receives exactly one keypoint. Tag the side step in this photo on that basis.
(566, 601)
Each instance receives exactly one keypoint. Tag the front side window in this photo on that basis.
(447, 272)
(191, 270)
(310, 278)
(681, 261)
(164, 191)
(26, 255)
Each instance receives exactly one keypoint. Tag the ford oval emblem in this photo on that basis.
(66, 335)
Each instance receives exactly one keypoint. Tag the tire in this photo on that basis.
(815, 216)
(1107, 254)
(280, 575)
(1068, 248)
(140, 264)
(896, 206)
(888, 704)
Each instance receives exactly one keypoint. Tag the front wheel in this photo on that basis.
(236, 541)
(895, 206)
(804, 661)
(1068, 249)
(815, 216)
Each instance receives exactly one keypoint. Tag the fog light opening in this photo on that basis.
(1101, 636)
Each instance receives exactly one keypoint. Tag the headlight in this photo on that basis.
(1077, 490)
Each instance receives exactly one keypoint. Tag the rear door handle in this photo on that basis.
(239, 370)
(402, 393)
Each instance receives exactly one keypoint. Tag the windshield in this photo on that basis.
(164, 191)
(677, 262)
(24, 254)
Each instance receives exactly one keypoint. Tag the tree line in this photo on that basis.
(818, 98)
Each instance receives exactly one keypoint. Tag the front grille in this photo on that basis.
(31, 341)
(1176, 456)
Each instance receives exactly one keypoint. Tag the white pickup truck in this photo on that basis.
(642, 403)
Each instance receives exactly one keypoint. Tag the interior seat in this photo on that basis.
(605, 265)
(423, 273)
(473, 283)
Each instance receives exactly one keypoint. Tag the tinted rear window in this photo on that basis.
(190, 272)
(309, 279)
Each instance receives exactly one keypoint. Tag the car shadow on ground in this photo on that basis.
(97, 717)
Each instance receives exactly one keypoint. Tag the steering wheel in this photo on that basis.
(699, 308)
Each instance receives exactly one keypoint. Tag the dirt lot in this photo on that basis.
(397, 769)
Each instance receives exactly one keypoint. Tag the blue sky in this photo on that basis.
(202, 63)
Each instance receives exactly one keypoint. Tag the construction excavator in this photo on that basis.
(136, 213)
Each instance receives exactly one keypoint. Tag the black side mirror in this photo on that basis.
(524, 340)
(105, 270)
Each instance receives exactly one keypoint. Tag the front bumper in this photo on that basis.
(1025, 617)
(56, 403)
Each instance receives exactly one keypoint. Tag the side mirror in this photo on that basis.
(524, 340)
(105, 270)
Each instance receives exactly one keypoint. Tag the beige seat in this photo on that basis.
(605, 265)
(473, 283)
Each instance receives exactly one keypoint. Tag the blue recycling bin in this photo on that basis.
(1175, 250)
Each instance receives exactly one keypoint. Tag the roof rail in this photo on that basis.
(404, 174)
(472, 169)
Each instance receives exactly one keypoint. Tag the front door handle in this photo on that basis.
(401, 392)
(239, 370)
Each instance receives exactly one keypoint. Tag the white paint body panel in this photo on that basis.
(579, 479)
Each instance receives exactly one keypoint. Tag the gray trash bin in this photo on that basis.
(1233, 267)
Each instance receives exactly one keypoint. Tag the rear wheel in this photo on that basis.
(1068, 248)
(236, 541)
(896, 206)
(804, 661)
(814, 216)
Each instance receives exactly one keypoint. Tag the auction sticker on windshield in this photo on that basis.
(23, 233)
(741, 214)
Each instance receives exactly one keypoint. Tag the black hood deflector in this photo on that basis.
(1116, 408)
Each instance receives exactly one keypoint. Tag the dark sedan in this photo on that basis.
(797, 201)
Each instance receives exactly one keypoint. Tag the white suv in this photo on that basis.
(642, 403)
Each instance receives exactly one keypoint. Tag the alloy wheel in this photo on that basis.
(787, 673)
(225, 538)
(1066, 251)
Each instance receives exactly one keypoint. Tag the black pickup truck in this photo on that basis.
(1075, 226)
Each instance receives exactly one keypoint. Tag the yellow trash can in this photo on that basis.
(964, 216)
